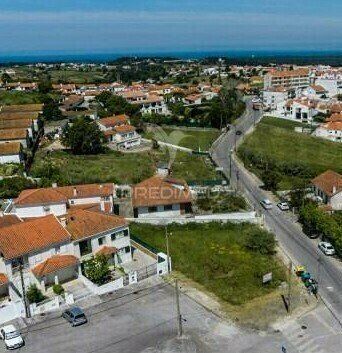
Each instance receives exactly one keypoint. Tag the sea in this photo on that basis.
(333, 58)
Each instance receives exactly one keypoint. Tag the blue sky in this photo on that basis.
(87, 26)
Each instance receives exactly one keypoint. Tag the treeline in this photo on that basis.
(317, 222)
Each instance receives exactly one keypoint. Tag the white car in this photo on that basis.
(11, 337)
(284, 206)
(266, 204)
(326, 248)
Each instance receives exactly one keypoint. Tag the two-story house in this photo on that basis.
(58, 200)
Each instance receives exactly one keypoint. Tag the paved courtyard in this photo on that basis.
(145, 321)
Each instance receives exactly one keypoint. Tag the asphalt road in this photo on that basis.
(145, 321)
(301, 249)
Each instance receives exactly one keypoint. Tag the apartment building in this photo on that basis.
(298, 78)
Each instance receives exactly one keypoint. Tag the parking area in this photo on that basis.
(145, 321)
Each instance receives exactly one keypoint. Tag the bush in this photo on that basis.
(97, 269)
(261, 241)
(11, 187)
(34, 294)
(58, 289)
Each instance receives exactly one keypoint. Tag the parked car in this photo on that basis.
(284, 206)
(11, 337)
(326, 248)
(266, 204)
(238, 132)
(75, 316)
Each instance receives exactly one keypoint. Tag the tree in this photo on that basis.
(6, 77)
(34, 294)
(45, 85)
(51, 110)
(271, 179)
(261, 241)
(97, 269)
(83, 136)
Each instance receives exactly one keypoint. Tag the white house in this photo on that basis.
(328, 186)
(50, 249)
(58, 200)
(302, 110)
(332, 83)
(331, 130)
(298, 78)
(161, 197)
(275, 97)
(315, 92)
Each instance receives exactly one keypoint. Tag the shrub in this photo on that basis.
(260, 241)
(58, 289)
(34, 294)
(97, 269)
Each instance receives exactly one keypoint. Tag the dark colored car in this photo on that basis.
(75, 316)
(238, 132)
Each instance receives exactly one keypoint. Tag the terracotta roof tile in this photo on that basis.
(113, 121)
(84, 223)
(63, 193)
(160, 191)
(23, 108)
(18, 115)
(329, 182)
(124, 128)
(107, 250)
(15, 124)
(10, 148)
(26, 237)
(13, 134)
(54, 264)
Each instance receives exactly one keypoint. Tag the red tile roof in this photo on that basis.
(54, 264)
(3, 279)
(63, 193)
(113, 121)
(26, 237)
(329, 182)
(160, 191)
(23, 108)
(124, 128)
(10, 148)
(84, 223)
(13, 134)
(107, 250)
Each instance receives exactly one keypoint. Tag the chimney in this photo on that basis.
(54, 185)
(334, 189)
(63, 221)
(75, 191)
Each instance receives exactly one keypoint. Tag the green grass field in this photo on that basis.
(216, 257)
(276, 141)
(122, 168)
(110, 167)
(9, 98)
(75, 76)
(193, 139)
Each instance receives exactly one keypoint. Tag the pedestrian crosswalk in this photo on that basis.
(301, 340)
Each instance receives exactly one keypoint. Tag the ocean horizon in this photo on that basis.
(249, 55)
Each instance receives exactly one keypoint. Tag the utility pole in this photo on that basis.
(289, 288)
(167, 250)
(230, 166)
(179, 315)
(27, 309)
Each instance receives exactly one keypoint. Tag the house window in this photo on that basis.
(72, 202)
(126, 233)
(168, 208)
(152, 209)
(127, 249)
(113, 236)
(102, 240)
(85, 247)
